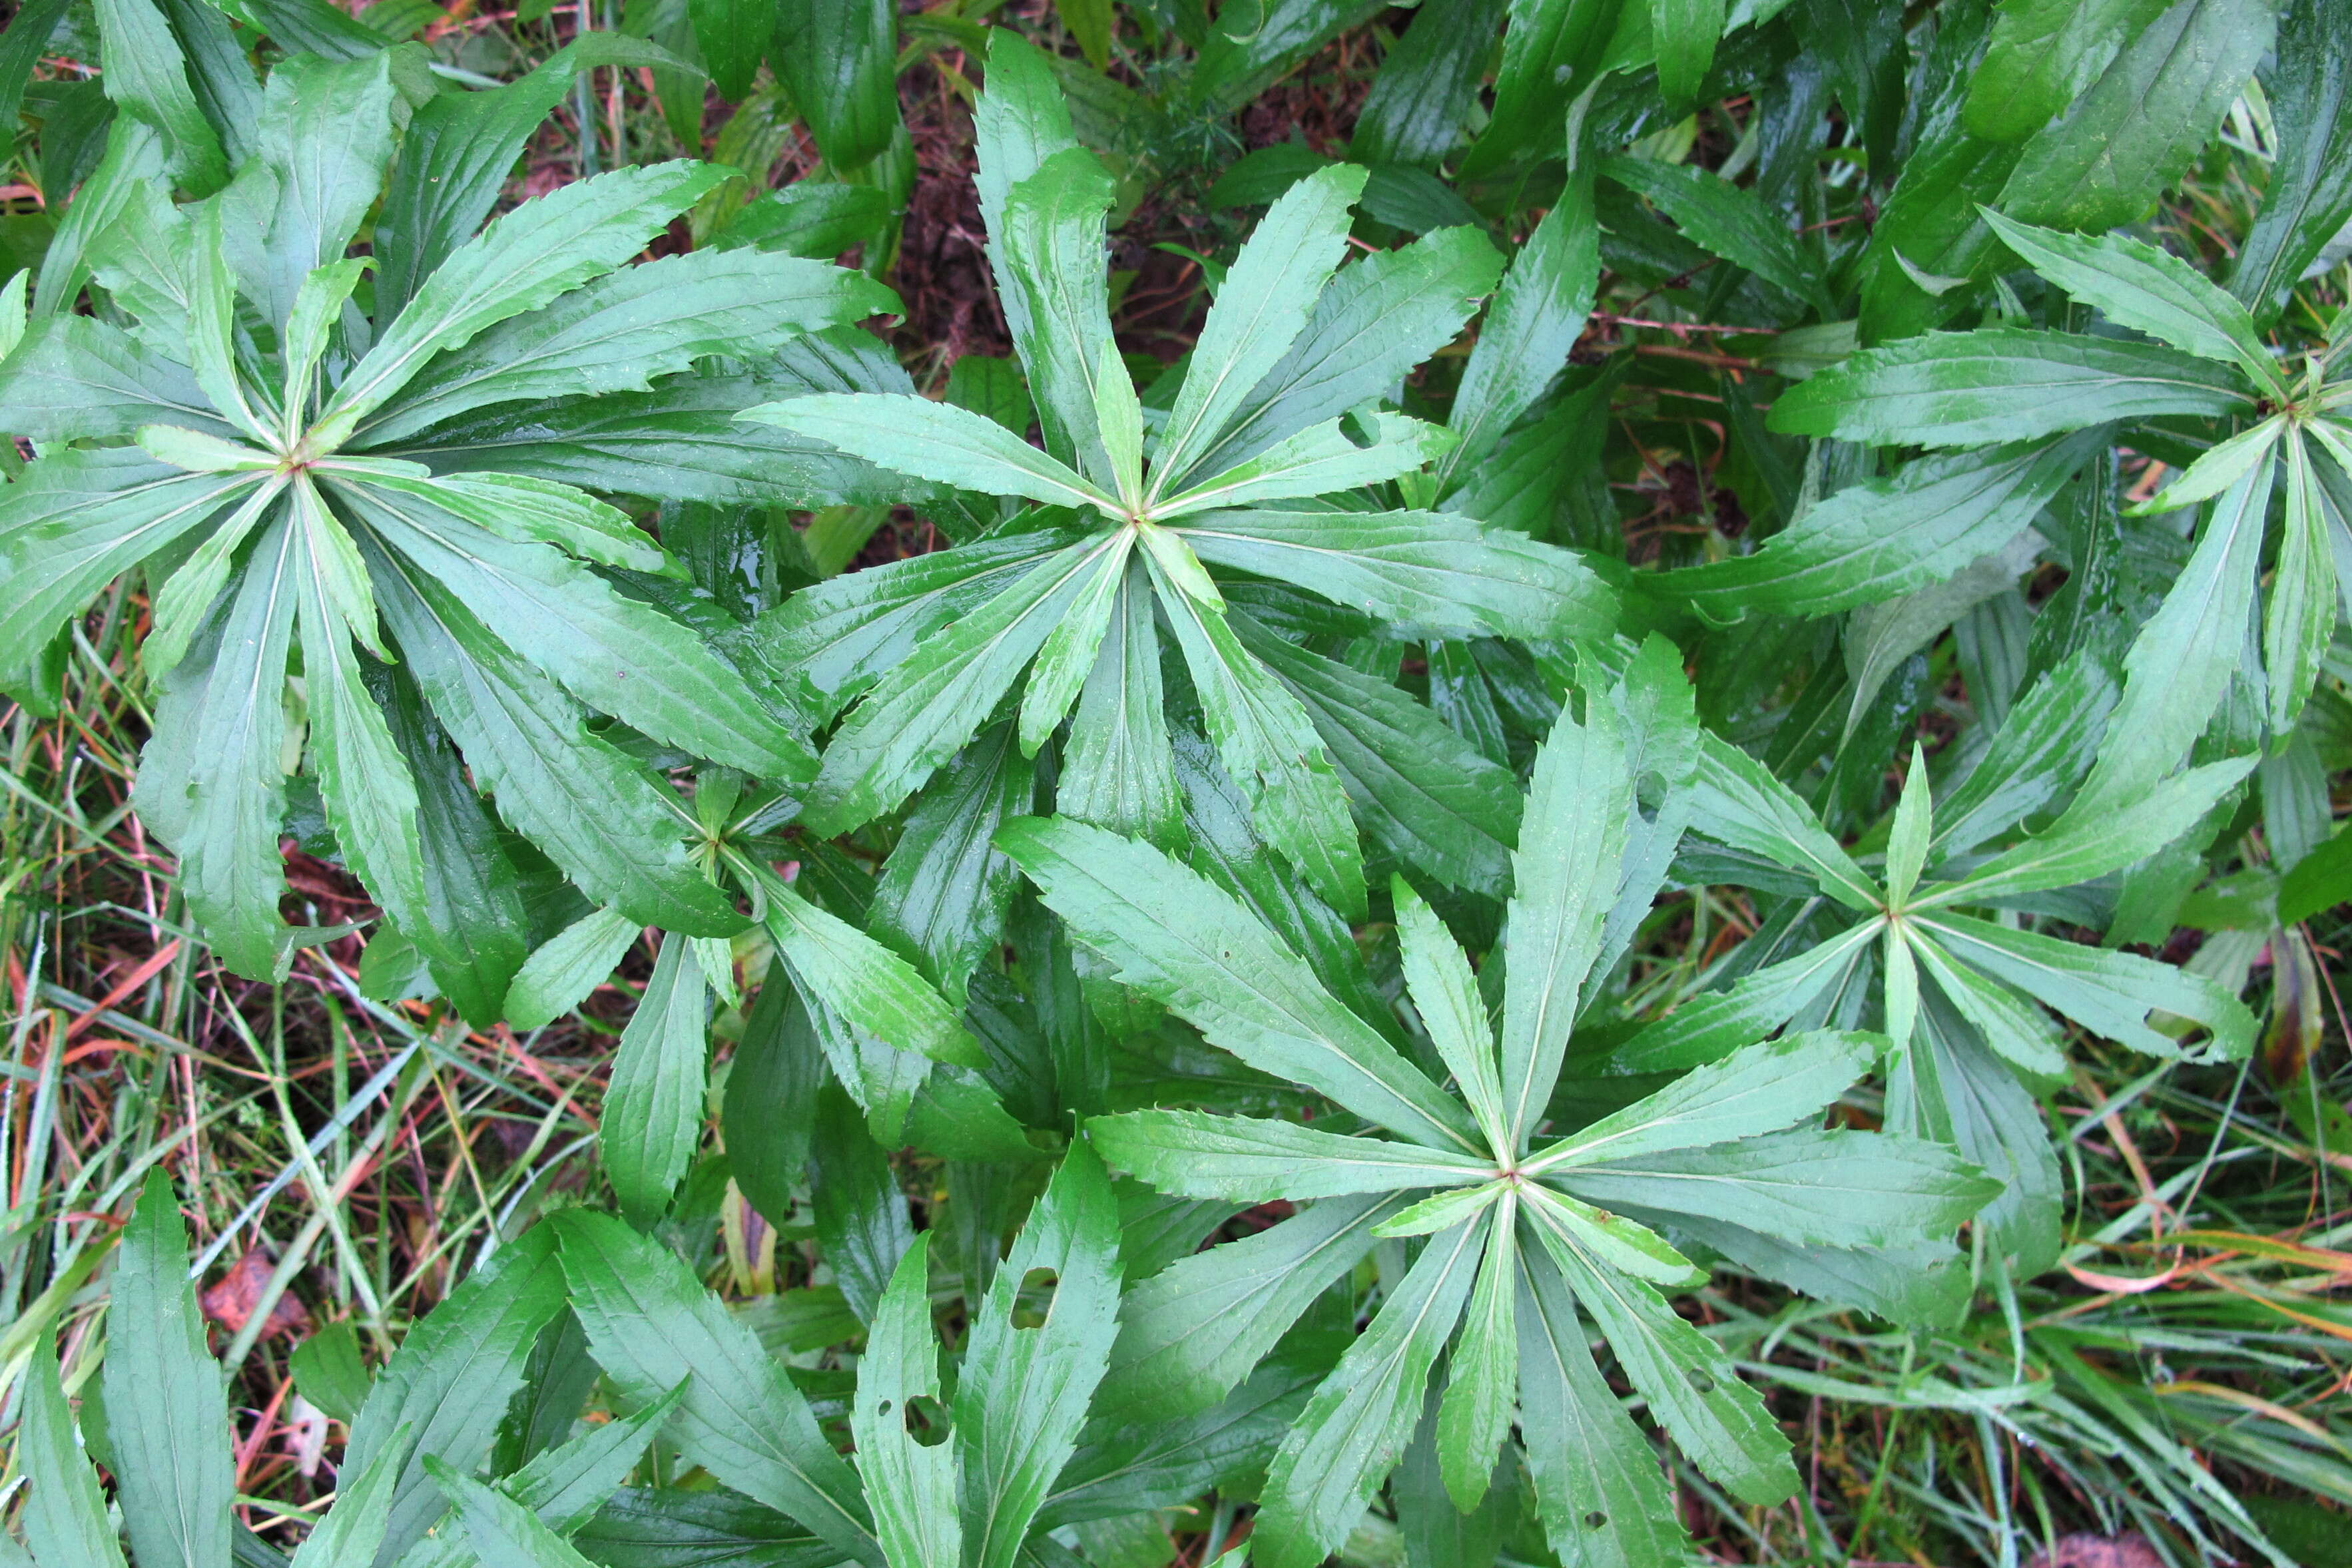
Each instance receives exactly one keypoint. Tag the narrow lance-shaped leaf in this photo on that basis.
(651, 1326)
(1258, 314)
(1253, 1160)
(1571, 838)
(1264, 737)
(653, 1107)
(65, 1515)
(1761, 1089)
(936, 441)
(166, 1403)
(1190, 944)
(1476, 1414)
(911, 1479)
(525, 258)
(1356, 1425)
(1025, 1392)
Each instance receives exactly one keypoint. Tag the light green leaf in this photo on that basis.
(1191, 1332)
(614, 829)
(1357, 1424)
(1690, 1384)
(1537, 315)
(936, 441)
(524, 259)
(625, 329)
(2223, 465)
(2109, 993)
(353, 1529)
(614, 652)
(1761, 1089)
(179, 606)
(64, 1516)
(560, 973)
(198, 453)
(1603, 1498)
(864, 982)
(1320, 460)
(1025, 1392)
(1437, 973)
(1117, 770)
(318, 310)
(1264, 737)
(535, 511)
(1444, 1211)
(1046, 246)
(1251, 1159)
(1611, 1238)
(167, 1405)
(1475, 1415)
(2082, 846)
(1428, 569)
(652, 1109)
(2001, 383)
(1381, 315)
(1571, 844)
(144, 69)
(1260, 310)
(1914, 829)
(505, 1534)
(1071, 649)
(929, 706)
(449, 1384)
(1818, 1188)
(2149, 290)
(2180, 663)
(218, 800)
(2300, 617)
(1739, 801)
(913, 1485)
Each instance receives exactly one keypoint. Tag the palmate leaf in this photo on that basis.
(1183, 944)
(442, 557)
(1272, 408)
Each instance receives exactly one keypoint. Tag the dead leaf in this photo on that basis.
(2131, 1550)
(231, 1301)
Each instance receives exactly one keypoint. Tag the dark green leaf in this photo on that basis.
(2147, 116)
(2001, 383)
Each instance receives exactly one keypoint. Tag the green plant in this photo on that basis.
(1643, 865)
(307, 458)
(1274, 405)
(1521, 1231)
